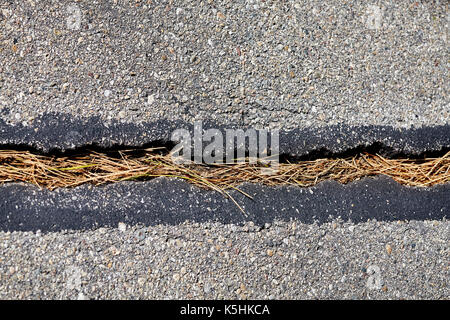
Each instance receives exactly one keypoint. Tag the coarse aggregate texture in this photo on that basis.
(282, 260)
(331, 75)
(275, 64)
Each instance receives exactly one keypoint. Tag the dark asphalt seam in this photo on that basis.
(25, 207)
(170, 201)
(62, 132)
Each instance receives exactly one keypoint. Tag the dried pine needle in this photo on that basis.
(100, 168)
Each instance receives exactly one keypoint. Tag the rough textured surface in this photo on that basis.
(173, 201)
(289, 260)
(258, 63)
(328, 74)
(58, 132)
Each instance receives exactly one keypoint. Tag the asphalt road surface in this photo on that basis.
(329, 75)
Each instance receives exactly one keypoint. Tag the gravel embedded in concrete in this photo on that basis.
(290, 65)
(283, 260)
(258, 63)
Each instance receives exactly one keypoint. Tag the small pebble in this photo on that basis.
(151, 99)
(388, 249)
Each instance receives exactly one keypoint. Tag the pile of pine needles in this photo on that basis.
(99, 168)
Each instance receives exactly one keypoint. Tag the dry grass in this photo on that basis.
(98, 168)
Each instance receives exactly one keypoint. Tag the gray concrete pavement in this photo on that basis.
(257, 63)
(284, 260)
(337, 74)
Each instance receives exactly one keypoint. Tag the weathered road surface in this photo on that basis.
(327, 74)
(284, 260)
